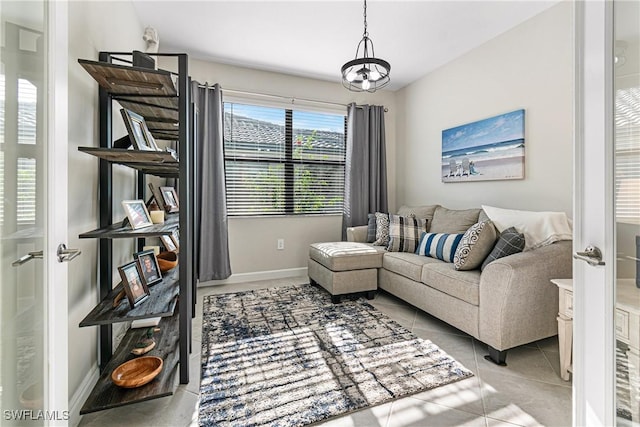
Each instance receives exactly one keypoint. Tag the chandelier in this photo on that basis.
(365, 73)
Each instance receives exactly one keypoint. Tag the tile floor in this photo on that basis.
(528, 392)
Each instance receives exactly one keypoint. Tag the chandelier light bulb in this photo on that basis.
(366, 84)
(374, 75)
(352, 76)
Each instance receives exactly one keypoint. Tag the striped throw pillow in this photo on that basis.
(442, 246)
(405, 232)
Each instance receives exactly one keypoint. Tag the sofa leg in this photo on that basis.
(335, 299)
(496, 356)
(371, 294)
(312, 282)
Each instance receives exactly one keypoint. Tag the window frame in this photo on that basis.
(289, 162)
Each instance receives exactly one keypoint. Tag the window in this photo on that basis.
(627, 140)
(280, 161)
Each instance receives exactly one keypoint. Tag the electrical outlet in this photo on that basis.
(280, 244)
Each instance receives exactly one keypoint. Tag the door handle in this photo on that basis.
(592, 255)
(66, 255)
(27, 257)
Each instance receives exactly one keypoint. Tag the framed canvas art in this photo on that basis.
(486, 150)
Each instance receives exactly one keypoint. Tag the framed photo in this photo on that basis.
(155, 191)
(133, 283)
(170, 199)
(175, 236)
(137, 213)
(139, 134)
(149, 267)
(168, 243)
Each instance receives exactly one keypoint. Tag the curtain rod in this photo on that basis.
(289, 98)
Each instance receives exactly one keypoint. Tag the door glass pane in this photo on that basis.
(627, 204)
(22, 211)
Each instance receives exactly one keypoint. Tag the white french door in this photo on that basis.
(607, 214)
(33, 213)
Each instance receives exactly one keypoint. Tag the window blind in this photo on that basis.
(627, 142)
(281, 161)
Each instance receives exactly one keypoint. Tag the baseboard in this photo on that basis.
(258, 275)
(81, 394)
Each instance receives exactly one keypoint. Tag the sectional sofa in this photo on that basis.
(509, 303)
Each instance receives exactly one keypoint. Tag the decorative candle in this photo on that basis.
(157, 217)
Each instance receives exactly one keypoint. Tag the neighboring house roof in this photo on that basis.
(247, 132)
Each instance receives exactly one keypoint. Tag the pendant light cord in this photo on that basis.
(366, 33)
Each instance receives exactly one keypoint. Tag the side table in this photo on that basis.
(565, 324)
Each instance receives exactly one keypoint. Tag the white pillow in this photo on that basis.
(539, 228)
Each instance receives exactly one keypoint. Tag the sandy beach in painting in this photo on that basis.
(489, 169)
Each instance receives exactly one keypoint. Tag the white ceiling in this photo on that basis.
(314, 38)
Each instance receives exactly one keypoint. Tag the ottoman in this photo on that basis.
(344, 268)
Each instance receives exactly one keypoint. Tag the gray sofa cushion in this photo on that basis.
(406, 264)
(453, 221)
(444, 277)
(422, 212)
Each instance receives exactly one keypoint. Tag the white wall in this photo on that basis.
(92, 29)
(253, 240)
(530, 67)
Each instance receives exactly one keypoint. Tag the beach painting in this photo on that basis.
(489, 149)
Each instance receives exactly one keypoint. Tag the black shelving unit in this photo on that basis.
(163, 99)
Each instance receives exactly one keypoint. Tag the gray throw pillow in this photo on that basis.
(371, 228)
(475, 245)
(453, 221)
(382, 229)
(510, 242)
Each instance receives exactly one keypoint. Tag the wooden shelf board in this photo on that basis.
(150, 112)
(117, 231)
(168, 126)
(170, 103)
(130, 157)
(127, 80)
(161, 303)
(165, 136)
(106, 395)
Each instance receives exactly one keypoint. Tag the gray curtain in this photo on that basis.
(211, 227)
(366, 165)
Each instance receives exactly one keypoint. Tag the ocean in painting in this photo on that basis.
(495, 150)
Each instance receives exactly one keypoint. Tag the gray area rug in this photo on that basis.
(287, 356)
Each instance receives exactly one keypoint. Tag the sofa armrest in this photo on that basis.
(357, 234)
(518, 303)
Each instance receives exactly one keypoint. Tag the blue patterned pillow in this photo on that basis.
(439, 245)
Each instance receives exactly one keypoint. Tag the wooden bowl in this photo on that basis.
(167, 260)
(137, 372)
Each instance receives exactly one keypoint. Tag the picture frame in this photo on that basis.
(137, 213)
(170, 199)
(168, 243)
(139, 133)
(175, 236)
(157, 195)
(133, 283)
(485, 150)
(149, 266)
